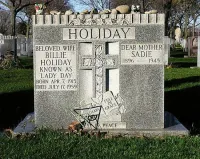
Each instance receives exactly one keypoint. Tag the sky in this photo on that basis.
(77, 6)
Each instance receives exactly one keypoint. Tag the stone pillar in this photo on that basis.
(198, 54)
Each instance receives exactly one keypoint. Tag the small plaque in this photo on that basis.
(113, 125)
(139, 54)
(55, 68)
(1, 39)
(109, 104)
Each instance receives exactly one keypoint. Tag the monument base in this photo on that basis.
(194, 67)
(172, 128)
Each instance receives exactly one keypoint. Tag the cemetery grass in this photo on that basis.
(179, 62)
(52, 144)
(181, 78)
(14, 80)
(26, 62)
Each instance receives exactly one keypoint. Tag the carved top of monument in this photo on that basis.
(98, 19)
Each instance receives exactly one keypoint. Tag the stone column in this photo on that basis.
(198, 53)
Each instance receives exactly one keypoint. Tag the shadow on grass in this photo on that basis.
(183, 64)
(14, 107)
(177, 53)
(176, 82)
(185, 105)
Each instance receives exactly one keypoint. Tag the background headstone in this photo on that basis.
(192, 46)
(177, 34)
(167, 49)
(195, 42)
(189, 46)
(198, 55)
(184, 45)
(1, 43)
(24, 45)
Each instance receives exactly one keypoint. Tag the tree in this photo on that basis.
(15, 6)
(194, 13)
(5, 22)
(144, 4)
(98, 4)
(59, 5)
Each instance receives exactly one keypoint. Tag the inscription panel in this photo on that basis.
(137, 54)
(55, 68)
(98, 33)
(113, 125)
(1, 39)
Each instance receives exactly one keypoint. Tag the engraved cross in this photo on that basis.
(99, 62)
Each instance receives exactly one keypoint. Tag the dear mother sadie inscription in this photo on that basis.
(142, 54)
(56, 67)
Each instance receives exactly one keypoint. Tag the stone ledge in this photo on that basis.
(172, 128)
(98, 19)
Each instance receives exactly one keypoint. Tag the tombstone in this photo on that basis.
(23, 47)
(105, 71)
(18, 46)
(184, 45)
(189, 45)
(29, 46)
(8, 44)
(198, 55)
(192, 46)
(1, 43)
(167, 49)
(177, 34)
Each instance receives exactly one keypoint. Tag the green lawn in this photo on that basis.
(27, 62)
(181, 78)
(50, 144)
(16, 80)
(183, 60)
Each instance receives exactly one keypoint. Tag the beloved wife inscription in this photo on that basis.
(141, 54)
(56, 67)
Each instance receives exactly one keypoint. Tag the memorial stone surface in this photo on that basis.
(105, 71)
(192, 46)
(1, 43)
(198, 54)
(166, 50)
(177, 34)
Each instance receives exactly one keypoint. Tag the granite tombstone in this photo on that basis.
(106, 71)
(192, 46)
(1, 43)
(198, 53)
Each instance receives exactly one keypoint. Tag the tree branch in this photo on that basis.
(4, 4)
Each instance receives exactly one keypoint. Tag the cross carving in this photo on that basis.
(99, 62)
